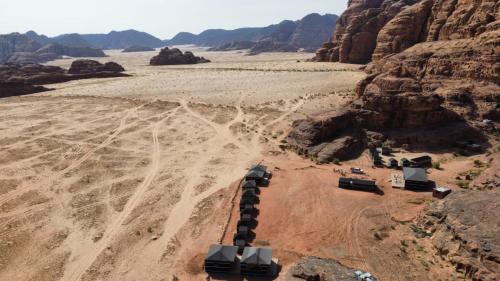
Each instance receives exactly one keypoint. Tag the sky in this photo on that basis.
(161, 18)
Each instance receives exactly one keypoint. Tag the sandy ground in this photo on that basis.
(132, 178)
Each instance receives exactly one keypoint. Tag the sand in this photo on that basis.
(133, 178)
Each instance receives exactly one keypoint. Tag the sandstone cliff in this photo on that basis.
(434, 74)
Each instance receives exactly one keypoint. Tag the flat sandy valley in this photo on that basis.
(133, 178)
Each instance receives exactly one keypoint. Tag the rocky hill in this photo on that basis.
(433, 75)
(123, 39)
(24, 49)
(308, 33)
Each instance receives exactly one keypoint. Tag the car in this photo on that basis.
(357, 170)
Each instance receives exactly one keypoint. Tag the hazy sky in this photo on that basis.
(162, 18)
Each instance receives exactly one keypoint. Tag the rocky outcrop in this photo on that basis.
(15, 42)
(318, 269)
(489, 179)
(464, 230)
(137, 48)
(434, 75)
(356, 31)
(18, 79)
(91, 67)
(175, 57)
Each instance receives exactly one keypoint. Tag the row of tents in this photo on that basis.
(254, 261)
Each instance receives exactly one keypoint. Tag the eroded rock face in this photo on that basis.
(435, 68)
(318, 269)
(175, 57)
(355, 36)
(464, 230)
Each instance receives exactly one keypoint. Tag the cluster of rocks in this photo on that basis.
(16, 79)
(137, 48)
(318, 269)
(422, 87)
(175, 56)
(464, 230)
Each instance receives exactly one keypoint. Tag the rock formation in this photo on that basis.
(18, 79)
(94, 67)
(137, 48)
(464, 229)
(357, 28)
(18, 48)
(317, 269)
(424, 87)
(175, 57)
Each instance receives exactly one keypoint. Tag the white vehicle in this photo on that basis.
(357, 170)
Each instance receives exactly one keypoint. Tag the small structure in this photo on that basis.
(415, 178)
(247, 201)
(254, 175)
(221, 259)
(397, 181)
(393, 163)
(441, 192)
(357, 184)
(421, 162)
(404, 162)
(250, 194)
(249, 184)
(242, 228)
(256, 261)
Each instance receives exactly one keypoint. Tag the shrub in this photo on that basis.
(436, 165)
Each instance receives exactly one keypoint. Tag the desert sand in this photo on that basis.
(133, 178)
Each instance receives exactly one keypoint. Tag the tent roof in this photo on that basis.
(415, 174)
(259, 167)
(222, 253)
(249, 184)
(255, 174)
(252, 255)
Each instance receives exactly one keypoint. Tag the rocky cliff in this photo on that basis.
(434, 74)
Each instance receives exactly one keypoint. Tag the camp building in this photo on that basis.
(256, 261)
(357, 184)
(415, 178)
(221, 259)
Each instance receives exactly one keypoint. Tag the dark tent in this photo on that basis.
(256, 261)
(220, 259)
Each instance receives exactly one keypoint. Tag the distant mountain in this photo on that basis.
(72, 40)
(28, 48)
(308, 33)
(122, 40)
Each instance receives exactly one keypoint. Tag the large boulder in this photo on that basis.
(176, 57)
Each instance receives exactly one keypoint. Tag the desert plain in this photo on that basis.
(133, 178)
